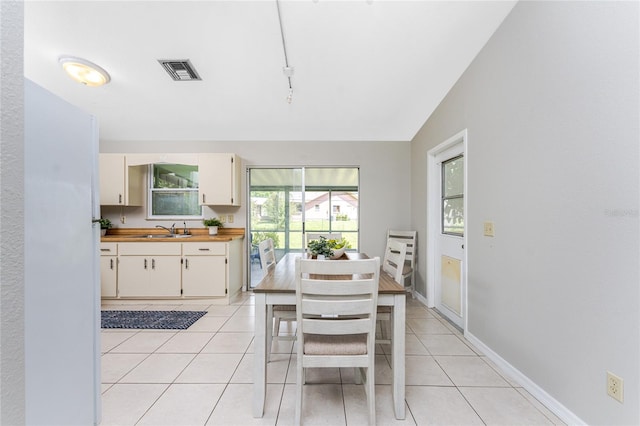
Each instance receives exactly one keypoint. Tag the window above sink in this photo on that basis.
(173, 191)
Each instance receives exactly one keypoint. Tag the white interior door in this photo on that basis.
(447, 225)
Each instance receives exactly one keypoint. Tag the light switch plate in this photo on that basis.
(230, 218)
(488, 229)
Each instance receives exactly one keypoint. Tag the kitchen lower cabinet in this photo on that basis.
(204, 269)
(108, 269)
(149, 270)
(172, 270)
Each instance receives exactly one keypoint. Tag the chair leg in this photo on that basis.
(357, 375)
(386, 329)
(371, 395)
(277, 327)
(269, 331)
(413, 285)
(299, 382)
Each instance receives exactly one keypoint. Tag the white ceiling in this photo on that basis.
(364, 70)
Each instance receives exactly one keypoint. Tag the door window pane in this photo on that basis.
(453, 196)
(453, 216)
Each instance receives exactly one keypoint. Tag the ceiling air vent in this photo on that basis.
(179, 69)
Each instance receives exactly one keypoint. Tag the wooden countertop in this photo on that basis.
(198, 235)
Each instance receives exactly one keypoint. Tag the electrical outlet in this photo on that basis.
(615, 387)
(230, 218)
(488, 229)
(223, 218)
(123, 219)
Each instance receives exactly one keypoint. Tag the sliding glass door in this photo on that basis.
(285, 203)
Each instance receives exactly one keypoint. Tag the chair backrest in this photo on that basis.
(394, 258)
(267, 254)
(337, 297)
(329, 236)
(409, 238)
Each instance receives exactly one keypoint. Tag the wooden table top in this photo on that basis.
(281, 278)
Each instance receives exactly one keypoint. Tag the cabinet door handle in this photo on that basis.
(203, 249)
(119, 198)
(186, 264)
(111, 263)
(203, 198)
(105, 249)
(145, 264)
(153, 264)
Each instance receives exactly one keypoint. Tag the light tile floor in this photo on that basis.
(203, 376)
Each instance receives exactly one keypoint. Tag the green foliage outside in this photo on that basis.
(259, 237)
(270, 219)
(349, 231)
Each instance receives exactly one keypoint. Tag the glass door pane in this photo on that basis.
(285, 203)
(332, 201)
(275, 197)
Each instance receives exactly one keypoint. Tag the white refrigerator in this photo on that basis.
(62, 294)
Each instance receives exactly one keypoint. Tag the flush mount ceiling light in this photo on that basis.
(84, 71)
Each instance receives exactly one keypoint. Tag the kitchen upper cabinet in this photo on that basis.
(108, 269)
(219, 176)
(120, 185)
(149, 270)
(204, 269)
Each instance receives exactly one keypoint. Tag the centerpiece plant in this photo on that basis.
(327, 248)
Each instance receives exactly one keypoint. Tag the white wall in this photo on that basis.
(12, 374)
(385, 196)
(551, 107)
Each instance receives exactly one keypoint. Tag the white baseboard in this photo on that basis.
(421, 298)
(536, 391)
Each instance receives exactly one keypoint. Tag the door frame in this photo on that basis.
(433, 219)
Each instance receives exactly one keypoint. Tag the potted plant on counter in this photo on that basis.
(104, 225)
(213, 224)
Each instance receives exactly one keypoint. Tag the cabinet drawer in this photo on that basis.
(149, 249)
(204, 249)
(108, 249)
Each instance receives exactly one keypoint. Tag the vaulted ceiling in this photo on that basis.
(363, 70)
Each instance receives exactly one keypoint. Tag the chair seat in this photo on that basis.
(322, 344)
(284, 308)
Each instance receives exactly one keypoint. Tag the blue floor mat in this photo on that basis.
(171, 320)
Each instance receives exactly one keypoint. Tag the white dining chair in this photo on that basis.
(393, 265)
(267, 253)
(411, 256)
(275, 313)
(336, 308)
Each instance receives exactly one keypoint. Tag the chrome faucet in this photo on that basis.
(186, 231)
(171, 230)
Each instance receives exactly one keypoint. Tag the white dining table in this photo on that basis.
(278, 287)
